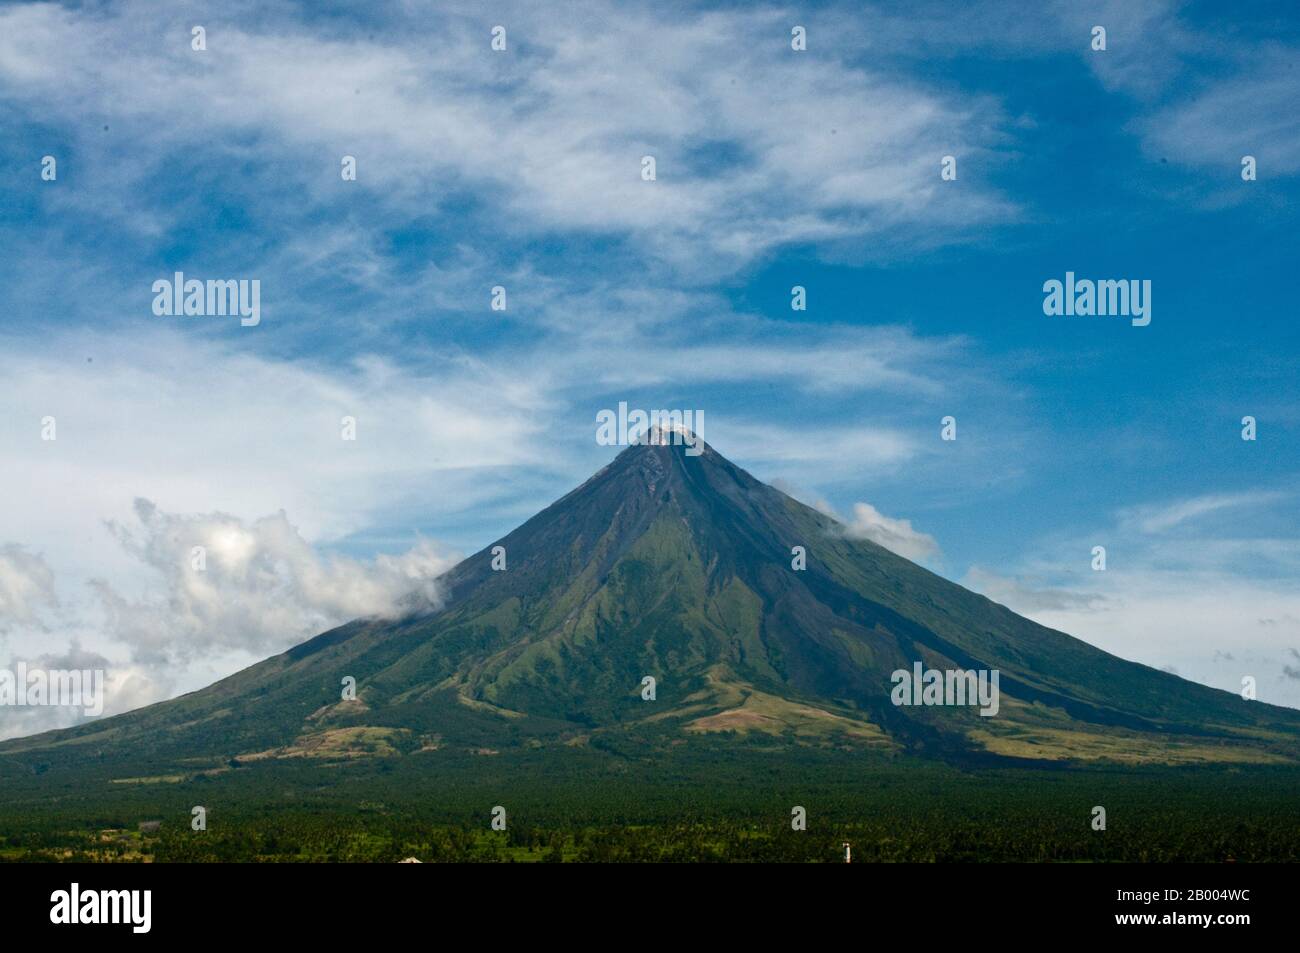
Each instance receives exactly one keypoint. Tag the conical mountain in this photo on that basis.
(673, 564)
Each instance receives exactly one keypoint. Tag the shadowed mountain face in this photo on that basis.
(680, 567)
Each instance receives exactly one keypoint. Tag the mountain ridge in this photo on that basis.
(678, 567)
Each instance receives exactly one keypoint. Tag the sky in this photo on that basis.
(522, 168)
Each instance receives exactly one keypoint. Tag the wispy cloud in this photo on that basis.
(1252, 113)
(1028, 595)
(26, 587)
(1216, 602)
(1160, 518)
(775, 149)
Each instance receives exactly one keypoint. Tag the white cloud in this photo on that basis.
(1145, 42)
(26, 587)
(551, 132)
(1215, 607)
(125, 688)
(1199, 622)
(197, 427)
(822, 360)
(896, 535)
(256, 586)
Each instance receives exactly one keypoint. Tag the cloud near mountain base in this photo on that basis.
(229, 584)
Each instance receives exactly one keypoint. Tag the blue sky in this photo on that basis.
(521, 168)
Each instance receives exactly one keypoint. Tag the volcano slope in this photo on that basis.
(680, 568)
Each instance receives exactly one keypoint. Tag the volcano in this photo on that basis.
(672, 598)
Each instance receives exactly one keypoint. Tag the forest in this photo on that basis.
(692, 808)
